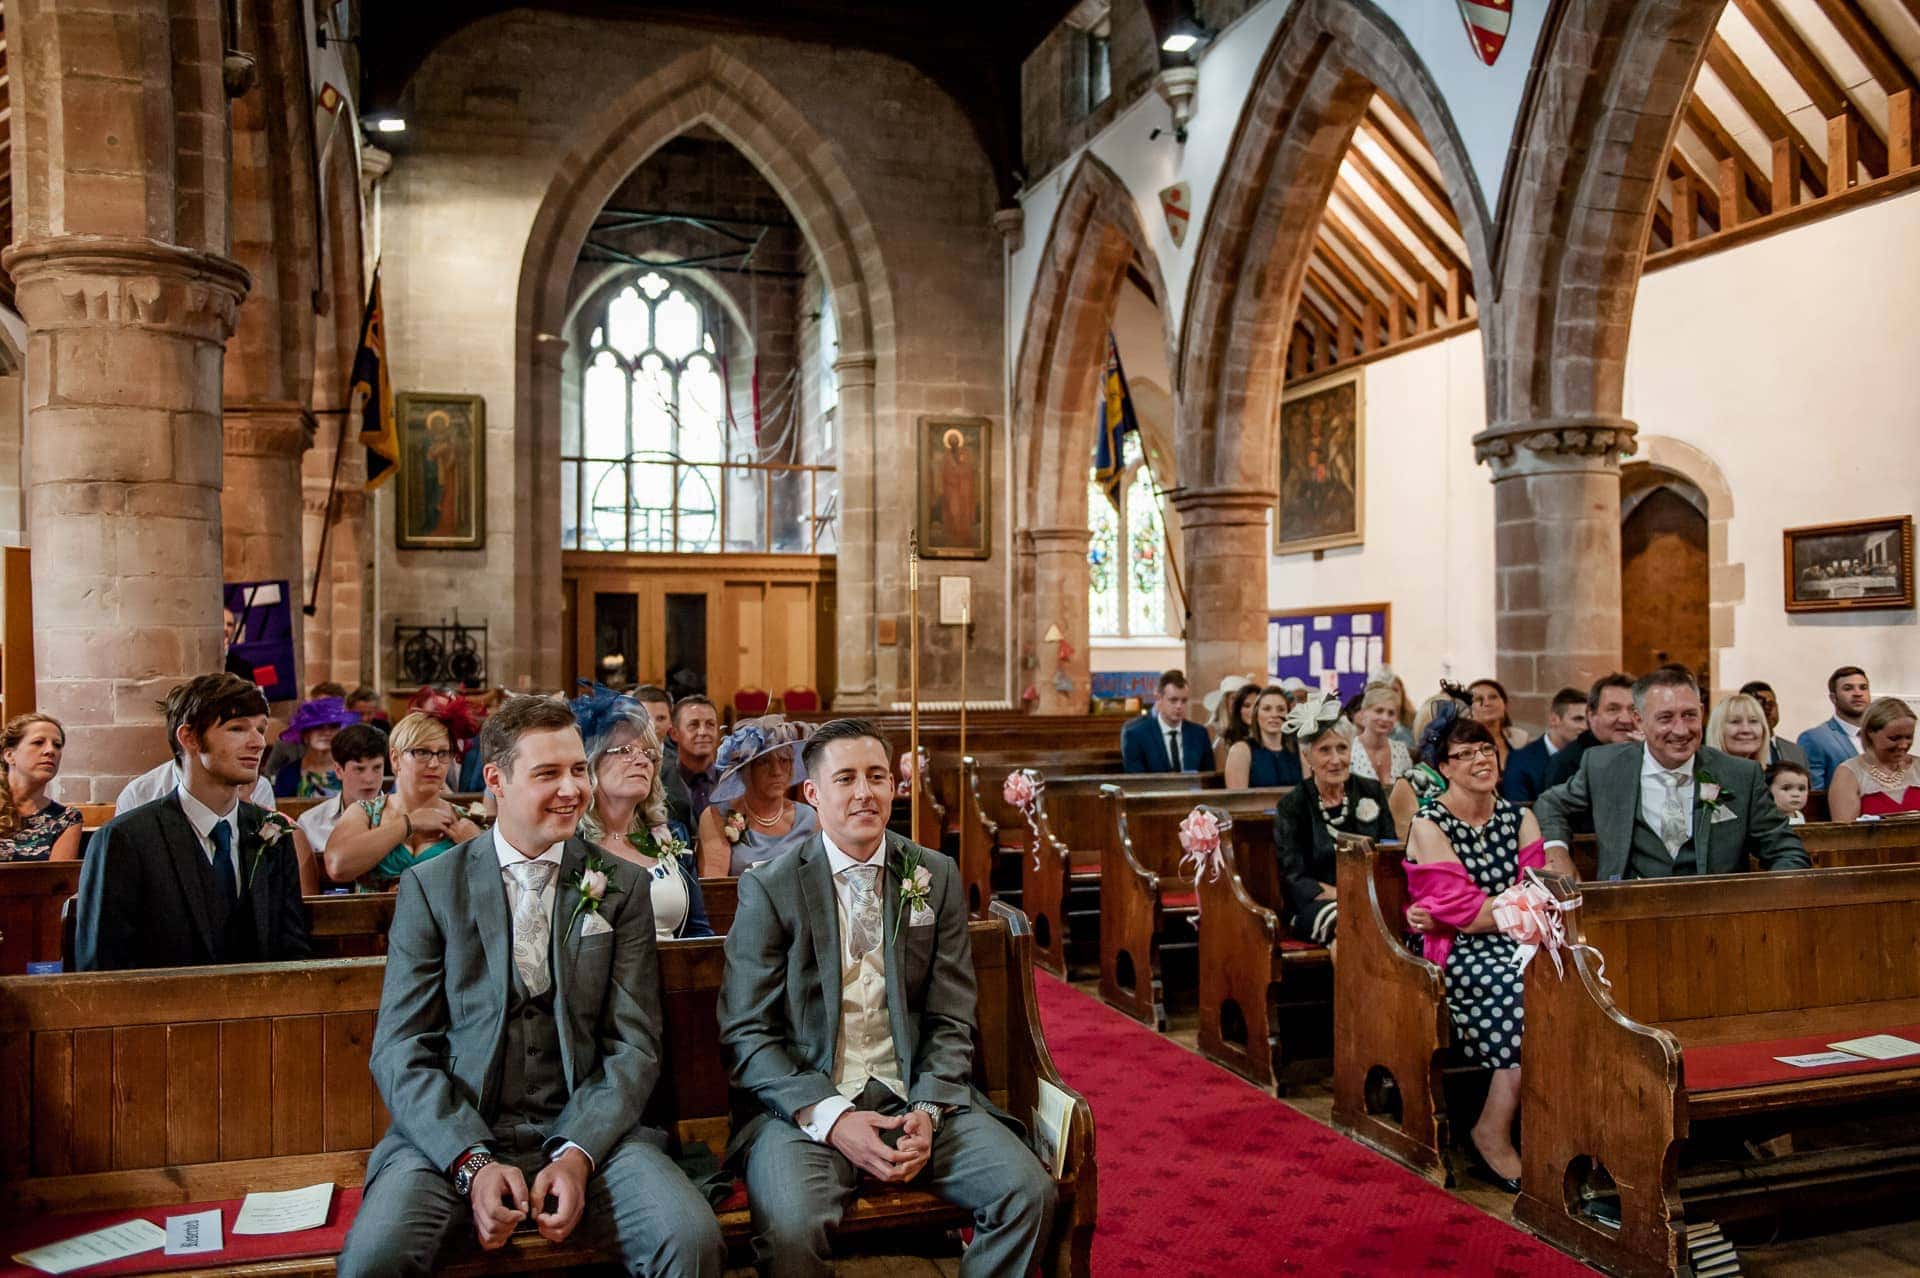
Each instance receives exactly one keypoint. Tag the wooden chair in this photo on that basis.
(800, 701)
(750, 703)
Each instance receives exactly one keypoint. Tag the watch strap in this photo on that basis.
(931, 1110)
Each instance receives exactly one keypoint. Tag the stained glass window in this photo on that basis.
(1127, 574)
(1103, 564)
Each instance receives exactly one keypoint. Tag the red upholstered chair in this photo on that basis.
(750, 703)
(800, 701)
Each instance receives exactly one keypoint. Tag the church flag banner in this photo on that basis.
(371, 396)
(1487, 22)
(1116, 419)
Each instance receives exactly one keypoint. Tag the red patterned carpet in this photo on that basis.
(1204, 1174)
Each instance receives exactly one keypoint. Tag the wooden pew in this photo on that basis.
(31, 894)
(138, 1090)
(722, 899)
(1266, 997)
(990, 829)
(1711, 979)
(1142, 886)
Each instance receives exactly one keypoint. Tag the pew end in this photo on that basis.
(1133, 900)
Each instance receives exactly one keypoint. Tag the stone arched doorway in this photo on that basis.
(1711, 586)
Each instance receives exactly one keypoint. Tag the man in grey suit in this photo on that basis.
(847, 1020)
(1668, 805)
(519, 1037)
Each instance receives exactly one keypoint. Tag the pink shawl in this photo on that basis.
(1451, 896)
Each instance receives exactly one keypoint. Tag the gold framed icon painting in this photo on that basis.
(443, 471)
(1322, 466)
(955, 483)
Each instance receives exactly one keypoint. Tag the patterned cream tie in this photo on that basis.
(1673, 817)
(864, 925)
(531, 927)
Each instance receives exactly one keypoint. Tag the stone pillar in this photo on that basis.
(1226, 554)
(856, 576)
(1556, 502)
(1060, 599)
(260, 505)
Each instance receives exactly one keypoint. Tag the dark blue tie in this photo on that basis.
(223, 861)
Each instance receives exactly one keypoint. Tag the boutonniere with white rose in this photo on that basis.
(273, 829)
(916, 885)
(734, 826)
(1707, 790)
(591, 887)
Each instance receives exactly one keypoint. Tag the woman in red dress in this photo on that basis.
(1883, 780)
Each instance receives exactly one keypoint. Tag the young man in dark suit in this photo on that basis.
(1526, 774)
(198, 876)
(1164, 741)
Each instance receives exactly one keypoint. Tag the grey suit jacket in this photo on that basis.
(780, 1002)
(1607, 787)
(437, 1046)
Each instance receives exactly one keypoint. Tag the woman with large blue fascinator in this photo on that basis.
(750, 819)
(628, 814)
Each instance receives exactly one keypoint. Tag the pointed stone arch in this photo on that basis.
(1096, 235)
(1726, 580)
(711, 87)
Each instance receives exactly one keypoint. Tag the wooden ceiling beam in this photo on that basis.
(1430, 190)
(1311, 305)
(1362, 291)
(1703, 191)
(1723, 146)
(1324, 287)
(1765, 112)
(1386, 235)
(1400, 207)
(1871, 47)
(1390, 283)
(1811, 74)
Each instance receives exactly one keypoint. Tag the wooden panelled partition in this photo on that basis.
(768, 619)
(16, 633)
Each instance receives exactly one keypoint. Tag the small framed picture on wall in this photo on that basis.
(1854, 566)
(956, 474)
(1322, 461)
(443, 471)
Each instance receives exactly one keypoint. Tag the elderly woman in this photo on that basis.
(34, 827)
(1738, 726)
(376, 840)
(1264, 758)
(1377, 754)
(1884, 778)
(749, 818)
(1306, 821)
(628, 814)
(313, 725)
(1466, 848)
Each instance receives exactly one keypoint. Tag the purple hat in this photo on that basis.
(322, 712)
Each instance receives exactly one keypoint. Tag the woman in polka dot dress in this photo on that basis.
(1465, 849)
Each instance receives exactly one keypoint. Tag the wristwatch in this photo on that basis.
(468, 1167)
(932, 1111)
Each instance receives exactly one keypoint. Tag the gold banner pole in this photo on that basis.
(966, 626)
(913, 680)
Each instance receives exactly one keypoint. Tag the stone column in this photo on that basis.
(1226, 555)
(261, 503)
(1556, 502)
(1060, 583)
(856, 576)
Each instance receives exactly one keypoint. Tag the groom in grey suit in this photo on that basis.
(847, 1020)
(1668, 805)
(519, 1038)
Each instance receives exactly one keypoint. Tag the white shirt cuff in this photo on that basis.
(817, 1120)
(555, 1156)
(1557, 843)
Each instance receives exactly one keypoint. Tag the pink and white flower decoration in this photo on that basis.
(1200, 838)
(1533, 917)
(1018, 789)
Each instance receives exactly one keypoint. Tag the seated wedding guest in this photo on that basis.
(1296, 688)
(1266, 758)
(1884, 778)
(749, 818)
(313, 726)
(1838, 738)
(462, 720)
(360, 761)
(1787, 783)
(696, 737)
(1242, 720)
(1525, 775)
(1333, 802)
(1669, 805)
(1219, 707)
(365, 702)
(659, 707)
(33, 827)
(519, 1040)
(378, 839)
(875, 1079)
(1403, 731)
(1779, 747)
(628, 812)
(1611, 719)
(1164, 741)
(164, 779)
(198, 876)
(1466, 848)
(1490, 708)
(1421, 784)
(1376, 755)
(1738, 726)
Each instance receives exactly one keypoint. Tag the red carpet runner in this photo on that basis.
(1203, 1174)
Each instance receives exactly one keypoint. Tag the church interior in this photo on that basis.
(1188, 435)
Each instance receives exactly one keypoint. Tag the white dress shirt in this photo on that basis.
(510, 855)
(157, 783)
(1653, 791)
(865, 1049)
(318, 821)
(203, 818)
(1852, 730)
(1170, 735)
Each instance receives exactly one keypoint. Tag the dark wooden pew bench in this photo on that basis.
(992, 834)
(32, 894)
(133, 1090)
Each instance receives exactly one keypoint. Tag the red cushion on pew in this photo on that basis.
(1087, 872)
(1725, 1066)
(38, 1231)
(1180, 900)
(1292, 943)
(736, 1201)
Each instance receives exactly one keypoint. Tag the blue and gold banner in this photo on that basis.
(1116, 419)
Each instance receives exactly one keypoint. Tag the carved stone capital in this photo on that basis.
(76, 281)
(268, 430)
(549, 349)
(1221, 507)
(1060, 541)
(1553, 444)
(1012, 225)
(855, 369)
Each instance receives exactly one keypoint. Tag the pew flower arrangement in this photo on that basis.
(1200, 838)
(1021, 790)
(910, 770)
(591, 886)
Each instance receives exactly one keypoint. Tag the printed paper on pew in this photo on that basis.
(1052, 1123)
(115, 1242)
(286, 1212)
(1878, 1047)
(197, 1231)
(1813, 1060)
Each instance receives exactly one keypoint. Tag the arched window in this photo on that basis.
(1127, 557)
(652, 423)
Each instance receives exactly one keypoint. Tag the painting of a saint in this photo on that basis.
(442, 440)
(1321, 484)
(953, 488)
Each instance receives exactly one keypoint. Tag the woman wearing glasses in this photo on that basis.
(376, 840)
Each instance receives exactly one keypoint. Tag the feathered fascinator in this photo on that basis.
(599, 710)
(1312, 717)
(451, 709)
(1433, 742)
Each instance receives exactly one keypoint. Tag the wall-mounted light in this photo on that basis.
(1179, 85)
(389, 123)
(1184, 36)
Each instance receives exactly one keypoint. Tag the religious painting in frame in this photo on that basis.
(1860, 565)
(1321, 479)
(443, 471)
(955, 478)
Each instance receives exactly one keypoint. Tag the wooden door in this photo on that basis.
(1663, 584)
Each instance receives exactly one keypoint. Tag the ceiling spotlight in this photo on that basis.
(1184, 36)
(1179, 41)
(389, 124)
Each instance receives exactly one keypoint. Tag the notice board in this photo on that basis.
(1332, 648)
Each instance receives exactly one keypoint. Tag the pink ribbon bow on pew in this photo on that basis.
(1200, 837)
(1534, 917)
(1021, 790)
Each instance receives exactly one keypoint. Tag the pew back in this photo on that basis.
(31, 894)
